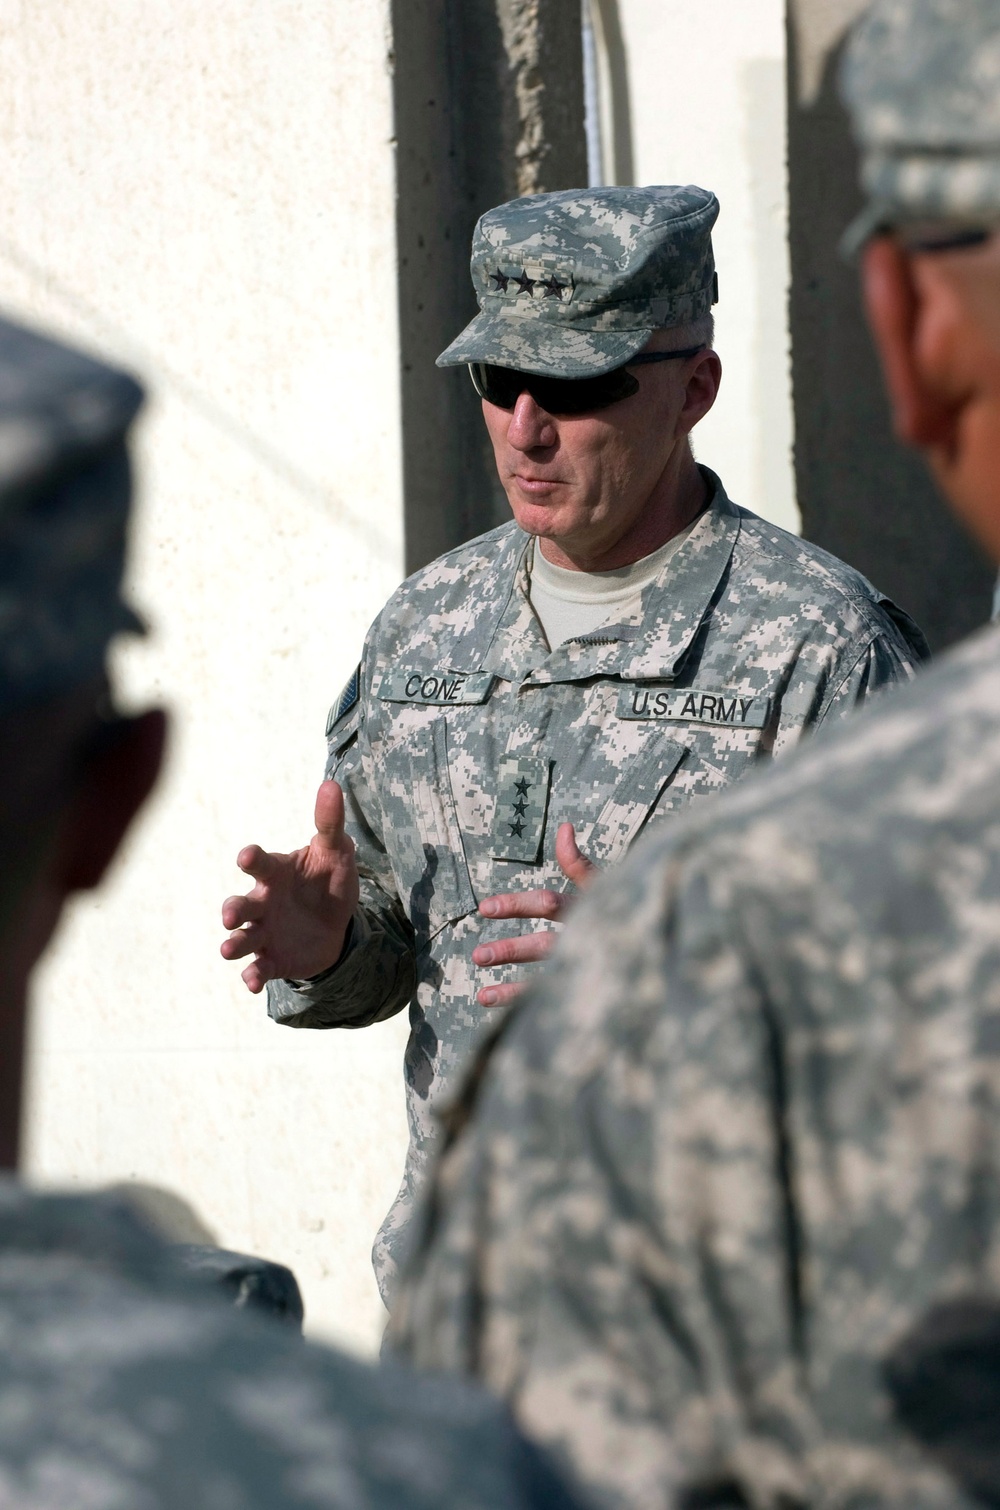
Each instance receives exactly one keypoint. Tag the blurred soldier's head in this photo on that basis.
(922, 80)
(576, 291)
(72, 772)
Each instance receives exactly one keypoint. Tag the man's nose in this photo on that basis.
(530, 426)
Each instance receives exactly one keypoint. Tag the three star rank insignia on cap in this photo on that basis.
(522, 283)
(522, 799)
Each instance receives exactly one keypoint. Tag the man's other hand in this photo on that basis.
(295, 919)
(531, 904)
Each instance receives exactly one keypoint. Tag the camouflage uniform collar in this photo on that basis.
(650, 644)
(515, 640)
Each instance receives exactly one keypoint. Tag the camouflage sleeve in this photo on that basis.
(885, 661)
(372, 981)
(162, 1396)
(376, 975)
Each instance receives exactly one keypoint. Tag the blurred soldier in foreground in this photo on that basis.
(630, 642)
(122, 1384)
(748, 1134)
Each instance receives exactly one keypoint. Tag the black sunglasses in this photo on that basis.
(503, 386)
(943, 236)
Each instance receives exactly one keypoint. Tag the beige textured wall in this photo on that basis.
(707, 87)
(206, 190)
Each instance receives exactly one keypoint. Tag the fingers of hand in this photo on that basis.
(256, 977)
(517, 951)
(241, 943)
(523, 904)
(239, 910)
(498, 996)
(329, 815)
(256, 862)
(573, 864)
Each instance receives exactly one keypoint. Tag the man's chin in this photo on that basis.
(971, 492)
(544, 518)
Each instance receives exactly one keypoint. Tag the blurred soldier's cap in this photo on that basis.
(573, 284)
(65, 490)
(921, 79)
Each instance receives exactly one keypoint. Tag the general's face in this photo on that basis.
(583, 480)
(936, 320)
(957, 349)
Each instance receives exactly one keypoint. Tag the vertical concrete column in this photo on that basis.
(862, 495)
(488, 98)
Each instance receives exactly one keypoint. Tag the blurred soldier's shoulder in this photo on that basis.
(940, 732)
(132, 1386)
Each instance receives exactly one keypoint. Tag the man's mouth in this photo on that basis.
(538, 485)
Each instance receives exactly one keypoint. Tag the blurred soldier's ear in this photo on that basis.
(920, 416)
(944, 1381)
(115, 780)
(66, 850)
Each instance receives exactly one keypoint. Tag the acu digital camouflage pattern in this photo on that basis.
(64, 501)
(748, 1132)
(573, 284)
(460, 697)
(123, 1388)
(922, 80)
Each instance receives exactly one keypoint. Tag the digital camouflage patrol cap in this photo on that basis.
(573, 284)
(64, 501)
(922, 81)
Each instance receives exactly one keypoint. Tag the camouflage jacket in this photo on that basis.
(748, 1132)
(465, 742)
(123, 1387)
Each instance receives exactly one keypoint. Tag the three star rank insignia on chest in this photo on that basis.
(522, 798)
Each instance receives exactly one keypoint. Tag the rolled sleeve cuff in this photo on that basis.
(354, 992)
(357, 932)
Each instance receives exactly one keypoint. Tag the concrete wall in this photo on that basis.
(207, 190)
(707, 98)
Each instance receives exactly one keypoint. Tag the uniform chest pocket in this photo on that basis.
(422, 835)
(624, 815)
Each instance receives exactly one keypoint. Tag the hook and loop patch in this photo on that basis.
(522, 800)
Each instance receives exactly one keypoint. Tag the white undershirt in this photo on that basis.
(568, 604)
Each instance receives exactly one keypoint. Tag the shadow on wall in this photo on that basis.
(440, 52)
(488, 102)
(862, 495)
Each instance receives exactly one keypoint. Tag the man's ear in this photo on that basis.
(701, 391)
(114, 784)
(920, 417)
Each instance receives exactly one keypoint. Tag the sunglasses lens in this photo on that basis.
(503, 385)
(582, 395)
(497, 385)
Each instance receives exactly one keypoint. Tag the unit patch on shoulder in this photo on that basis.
(734, 710)
(345, 702)
(522, 799)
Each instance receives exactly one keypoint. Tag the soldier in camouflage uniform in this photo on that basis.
(124, 1385)
(489, 727)
(718, 1169)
